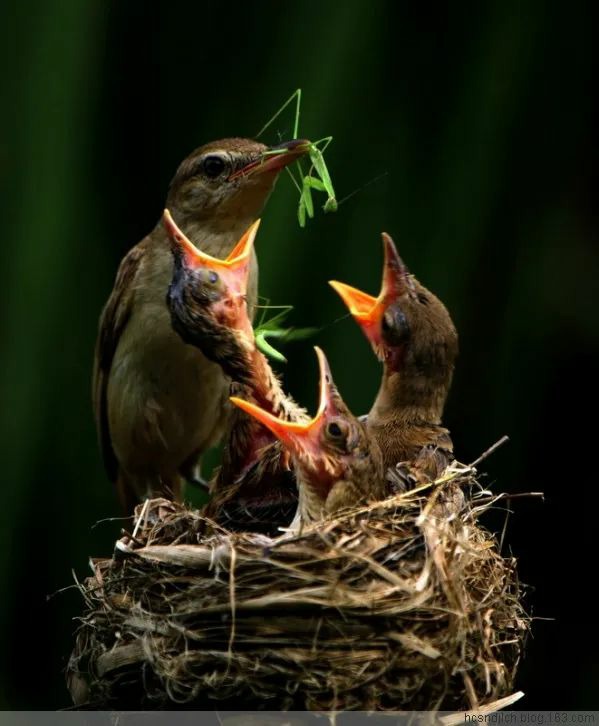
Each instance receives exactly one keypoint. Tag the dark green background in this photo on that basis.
(479, 117)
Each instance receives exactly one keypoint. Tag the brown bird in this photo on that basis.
(158, 402)
(337, 462)
(207, 299)
(412, 333)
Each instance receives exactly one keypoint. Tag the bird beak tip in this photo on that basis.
(276, 158)
(395, 272)
(243, 249)
(178, 239)
(360, 304)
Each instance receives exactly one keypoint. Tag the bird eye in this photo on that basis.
(209, 277)
(334, 430)
(395, 326)
(213, 166)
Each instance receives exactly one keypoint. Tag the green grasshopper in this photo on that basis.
(271, 328)
(308, 183)
(322, 184)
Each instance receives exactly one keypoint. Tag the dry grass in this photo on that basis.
(406, 604)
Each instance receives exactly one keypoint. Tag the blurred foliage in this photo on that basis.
(475, 125)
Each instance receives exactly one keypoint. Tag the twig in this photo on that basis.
(141, 519)
(109, 519)
(490, 450)
(518, 495)
(232, 603)
(132, 537)
(461, 716)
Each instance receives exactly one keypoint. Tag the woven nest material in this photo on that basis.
(406, 604)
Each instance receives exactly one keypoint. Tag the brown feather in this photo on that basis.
(112, 322)
(157, 401)
(255, 487)
(405, 418)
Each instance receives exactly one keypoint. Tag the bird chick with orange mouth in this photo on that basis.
(207, 299)
(413, 335)
(337, 463)
(158, 403)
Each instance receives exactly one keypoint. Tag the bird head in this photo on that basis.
(207, 298)
(230, 179)
(406, 324)
(332, 447)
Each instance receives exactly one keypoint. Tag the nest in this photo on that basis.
(405, 604)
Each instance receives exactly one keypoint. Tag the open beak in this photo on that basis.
(396, 276)
(368, 311)
(302, 439)
(230, 274)
(233, 269)
(275, 159)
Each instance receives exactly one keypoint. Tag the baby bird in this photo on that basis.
(207, 299)
(158, 403)
(413, 335)
(337, 462)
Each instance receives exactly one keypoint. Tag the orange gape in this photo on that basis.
(411, 332)
(158, 403)
(207, 299)
(337, 463)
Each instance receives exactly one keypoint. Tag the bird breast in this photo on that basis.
(165, 399)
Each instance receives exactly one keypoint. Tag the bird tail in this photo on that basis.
(127, 493)
(131, 491)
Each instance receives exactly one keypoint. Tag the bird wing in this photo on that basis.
(428, 449)
(113, 320)
(437, 453)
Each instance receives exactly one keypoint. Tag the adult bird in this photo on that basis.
(411, 332)
(254, 487)
(159, 403)
(337, 462)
